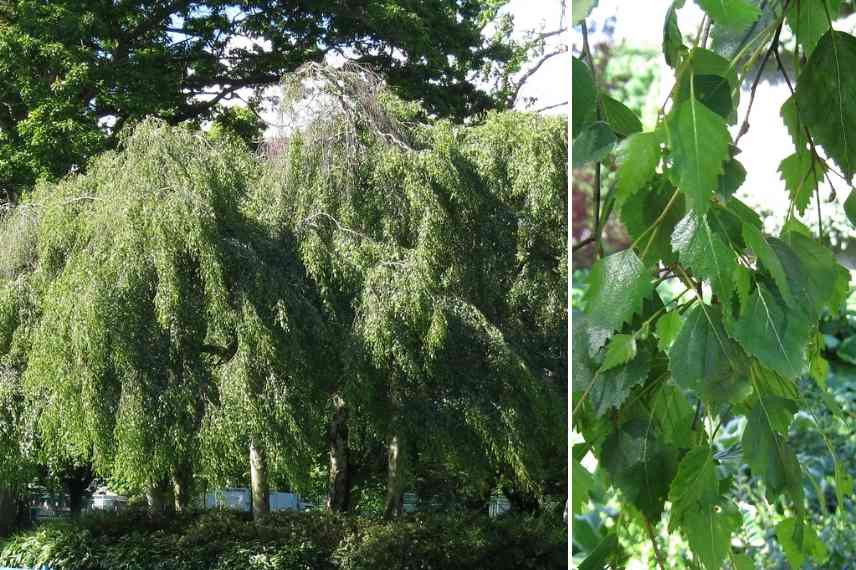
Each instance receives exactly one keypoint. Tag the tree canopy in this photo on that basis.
(74, 73)
(185, 305)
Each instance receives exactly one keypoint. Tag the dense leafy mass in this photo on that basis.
(655, 375)
(74, 73)
(290, 541)
(185, 308)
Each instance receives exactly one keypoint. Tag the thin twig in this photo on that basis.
(653, 538)
(597, 180)
(774, 46)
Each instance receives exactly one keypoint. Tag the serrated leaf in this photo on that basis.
(712, 80)
(581, 484)
(673, 41)
(699, 142)
(733, 13)
(794, 225)
(800, 542)
(620, 351)
(583, 97)
(816, 270)
(674, 415)
(642, 209)
(850, 207)
(808, 21)
(640, 465)
(796, 129)
(766, 451)
(611, 388)
(593, 144)
(704, 359)
(695, 487)
(801, 174)
(760, 245)
(706, 254)
(638, 157)
(620, 118)
(774, 333)
(668, 326)
(618, 284)
(728, 220)
(824, 98)
(583, 366)
(708, 533)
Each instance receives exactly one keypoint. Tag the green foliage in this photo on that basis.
(289, 541)
(74, 74)
(691, 355)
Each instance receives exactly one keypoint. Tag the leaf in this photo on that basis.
(766, 451)
(743, 285)
(621, 350)
(815, 271)
(695, 487)
(674, 415)
(583, 366)
(583, 96)
(850, 207)
(699, 141)
(673, 41)
(608, 554)
(618, 284)
(638, 156)
(612, 387)
(712, 80)
(732, 178)
(642, 209)
(795, 128)
(640, 465)
(760, 245)
(580, 9)
(743, 562)
(706, 254)
(824, 98)
(592, 144)
(705, 360)
(800, 542)
(843, 483)
(808, 21)
(668, 327)
(801, 174)
(847, 350)
(777, 335)
(733, 13)
(708, 533)
(581, 484)
(621, 119)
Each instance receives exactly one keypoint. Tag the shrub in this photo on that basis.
(225, 540)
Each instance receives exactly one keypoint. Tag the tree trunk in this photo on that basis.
(394, 504)
(182, 481)
(8, 510)
(160, 498)
(339, 489)
(259, 481)
(75, 481)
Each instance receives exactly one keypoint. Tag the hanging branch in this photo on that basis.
(597, 181)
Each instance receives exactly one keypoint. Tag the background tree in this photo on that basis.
(74, 74)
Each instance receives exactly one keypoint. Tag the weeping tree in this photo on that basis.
(440, 266)
(152, 300)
